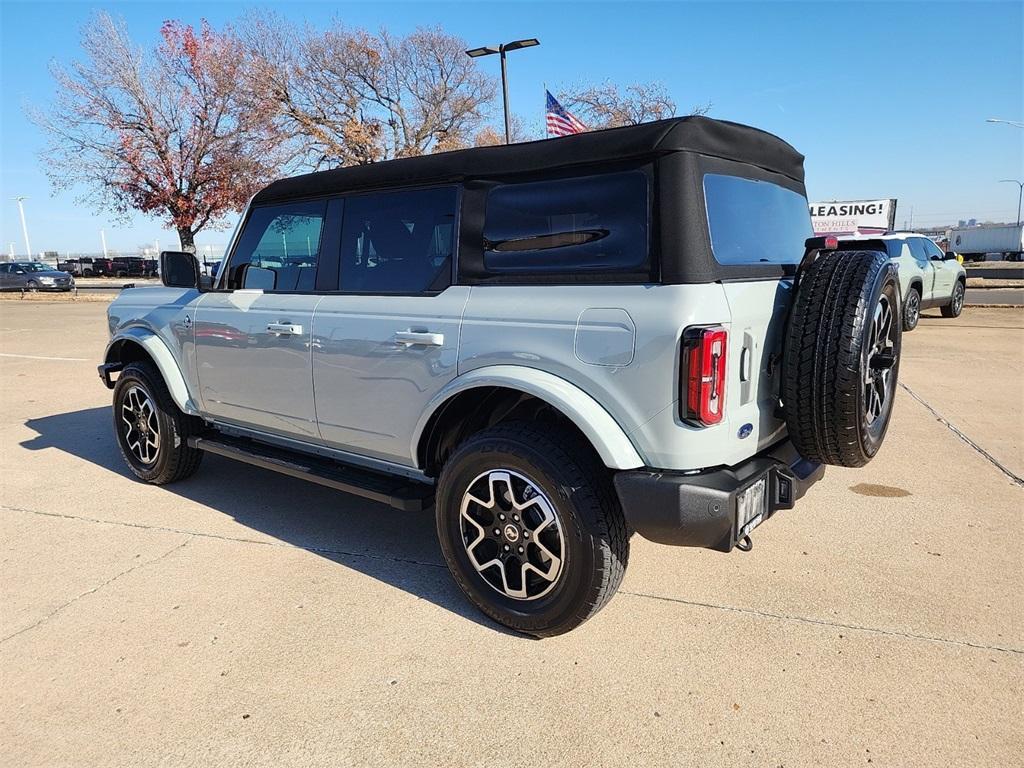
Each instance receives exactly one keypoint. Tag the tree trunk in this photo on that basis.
(187, 238)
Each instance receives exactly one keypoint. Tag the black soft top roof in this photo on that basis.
(703, 135)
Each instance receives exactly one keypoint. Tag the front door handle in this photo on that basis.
(425, 338)
(285, 329)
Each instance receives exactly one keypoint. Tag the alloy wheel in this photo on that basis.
(512, 534)
(958, 298)
(913, 308)
(881, 357)
(141, 426)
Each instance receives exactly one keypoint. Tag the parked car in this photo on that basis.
(86, 266)
(33, 276)
(129, 266)
(554, 344)
(929, 277)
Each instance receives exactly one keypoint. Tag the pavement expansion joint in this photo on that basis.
(95, 589)
(411, 561)
(1017, 479)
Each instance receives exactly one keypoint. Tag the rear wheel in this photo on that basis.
(911, 309)
(842, 357)
(530, 528)
(956, 303)
(151, 430)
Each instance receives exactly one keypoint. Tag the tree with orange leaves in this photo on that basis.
(167, 133)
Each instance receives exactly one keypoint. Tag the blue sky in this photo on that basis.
(884, 99)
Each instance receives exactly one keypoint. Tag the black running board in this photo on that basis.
(400, 493)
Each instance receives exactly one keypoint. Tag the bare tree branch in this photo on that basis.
(350, 97)
(609, 106)
(165, 132)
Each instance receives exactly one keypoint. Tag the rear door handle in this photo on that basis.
(425, 338)
(285, 329)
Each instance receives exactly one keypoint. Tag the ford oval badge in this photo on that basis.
(745, 431)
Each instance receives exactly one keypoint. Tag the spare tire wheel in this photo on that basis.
(841, 359)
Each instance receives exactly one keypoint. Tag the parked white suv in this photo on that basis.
(928, 277)
(554, 344)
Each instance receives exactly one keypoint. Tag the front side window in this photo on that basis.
(755, 222)
(597, 222)
(917, 247)
(933, 251)
(398, 242)
(279, 248)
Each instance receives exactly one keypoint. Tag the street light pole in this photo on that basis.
(1020, 193)
(504, 98)
(501, 50)
(24, 228)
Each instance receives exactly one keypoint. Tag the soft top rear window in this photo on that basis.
(755, 222)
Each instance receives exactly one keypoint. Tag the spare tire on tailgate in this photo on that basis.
(841, 357)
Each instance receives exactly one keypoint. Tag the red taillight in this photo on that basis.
(704, 352)
(831, 243)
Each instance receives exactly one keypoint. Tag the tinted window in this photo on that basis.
(398, 242)
(755, 221)
(917, 248)
(933, 251)
(568, 225)
(279, 248)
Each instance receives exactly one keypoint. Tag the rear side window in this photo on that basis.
(279, 248)
(398, 242)
(595, 222)
(753, 222)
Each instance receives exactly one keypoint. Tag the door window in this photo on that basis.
(279, 248)
(933, 251)
(398, 242)
(917, 248)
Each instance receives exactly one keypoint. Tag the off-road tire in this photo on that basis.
(175, 459)
(579, 487)
(956, 302)
(826, 361)
(911, 309)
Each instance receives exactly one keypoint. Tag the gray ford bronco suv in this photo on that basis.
(554, 344)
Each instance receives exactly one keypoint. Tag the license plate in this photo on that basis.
(752, 506)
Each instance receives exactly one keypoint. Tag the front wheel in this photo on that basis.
(151, 430)
(530, 528)
(956, 304)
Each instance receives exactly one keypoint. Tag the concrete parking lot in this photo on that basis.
(242, 618)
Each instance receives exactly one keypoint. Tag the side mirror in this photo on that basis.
(19, 271)
(949, 256)
(179, 269)
(258, 278)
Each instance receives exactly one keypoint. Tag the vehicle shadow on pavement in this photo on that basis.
(397, 548)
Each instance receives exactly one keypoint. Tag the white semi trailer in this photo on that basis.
(974, 243)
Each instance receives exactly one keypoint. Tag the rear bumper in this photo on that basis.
(700, 510)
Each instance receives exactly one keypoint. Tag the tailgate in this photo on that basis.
(758, 315)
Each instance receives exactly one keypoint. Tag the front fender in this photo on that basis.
(603, 432)
(162, 357)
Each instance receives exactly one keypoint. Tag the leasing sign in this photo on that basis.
(851, 217)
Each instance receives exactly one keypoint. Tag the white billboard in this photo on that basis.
(853, 217)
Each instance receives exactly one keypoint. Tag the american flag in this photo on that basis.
(560, 121)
